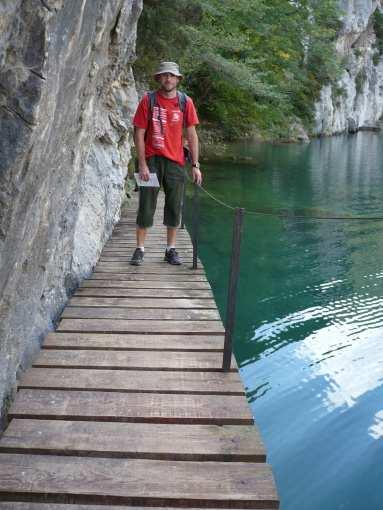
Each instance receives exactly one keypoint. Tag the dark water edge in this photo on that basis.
(310, 315)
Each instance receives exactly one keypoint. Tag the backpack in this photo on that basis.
(182, 100)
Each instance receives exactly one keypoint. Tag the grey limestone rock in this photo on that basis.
(357, 100)
(67, 95)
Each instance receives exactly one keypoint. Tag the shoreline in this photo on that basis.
(214, 147)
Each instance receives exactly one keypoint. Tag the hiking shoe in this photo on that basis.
(137, 258)
(171, 256)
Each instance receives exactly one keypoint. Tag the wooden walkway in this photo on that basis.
(126, 404)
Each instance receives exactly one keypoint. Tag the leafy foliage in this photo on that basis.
(378, 29)
(248, 63)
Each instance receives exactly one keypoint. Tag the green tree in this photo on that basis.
(249, 63)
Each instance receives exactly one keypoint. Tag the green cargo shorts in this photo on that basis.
(171, 177)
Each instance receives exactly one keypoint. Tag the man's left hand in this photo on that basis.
(197, 175)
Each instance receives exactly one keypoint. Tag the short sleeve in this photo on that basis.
(140, 118)
(191, 117)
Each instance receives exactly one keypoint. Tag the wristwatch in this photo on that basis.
(196, 165)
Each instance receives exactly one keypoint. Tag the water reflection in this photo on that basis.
(376, 429)
(349, 368)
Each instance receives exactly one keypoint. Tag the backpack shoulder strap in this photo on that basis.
(152, 100)
(182, 100)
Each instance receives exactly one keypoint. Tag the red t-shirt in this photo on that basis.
(164, 132)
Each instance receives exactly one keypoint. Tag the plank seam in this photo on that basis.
(149, 369)
(108, 454)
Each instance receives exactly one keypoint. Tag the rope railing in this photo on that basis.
(239, 213)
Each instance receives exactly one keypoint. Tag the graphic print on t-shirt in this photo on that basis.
(159, 120)
(176, 115)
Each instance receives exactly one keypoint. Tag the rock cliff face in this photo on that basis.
(66, 98)
(357, 101)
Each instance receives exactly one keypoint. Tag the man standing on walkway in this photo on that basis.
(159, 122)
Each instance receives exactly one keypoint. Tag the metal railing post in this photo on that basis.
(232, 290)
(195, 225)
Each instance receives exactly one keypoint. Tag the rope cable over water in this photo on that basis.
(287, 214)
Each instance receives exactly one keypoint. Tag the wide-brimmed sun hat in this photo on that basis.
(168, 67)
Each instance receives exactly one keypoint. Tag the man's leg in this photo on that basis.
(171, 237)
(140, 236)
(173, 186)
(138, 255)
(146, 209)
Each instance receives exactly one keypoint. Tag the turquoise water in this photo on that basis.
(310, 311)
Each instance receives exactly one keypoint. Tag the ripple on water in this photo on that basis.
(339, 341)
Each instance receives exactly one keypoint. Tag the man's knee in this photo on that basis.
(172, 214)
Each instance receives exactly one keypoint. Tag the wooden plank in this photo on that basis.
(159, 239)
(114, 341)
(13, 505)
(151, 234)
(162, 269)
(144, 293)
(158, 226)
(149, 249)
(153, 245)
(56, 506)
(149, 258)
(137, 302)
(152, 250)
(151, 261)
(156, 230)
(138, 381)
(174, 278)
(154, 253)
(129, 222)
(228, 443)
(159, 250)
(137, 481)
(118, 313)
(125, 360)
(149, 243)
(155, 261)
(140, 326)
(148, 284)
(151, 265)
(131, 407)
(149, 246)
